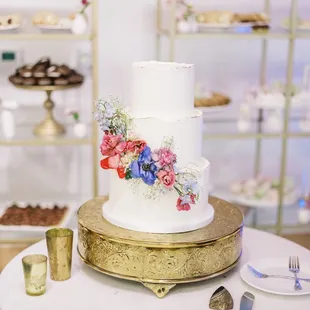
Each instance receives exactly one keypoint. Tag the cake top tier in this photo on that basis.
(163, 89)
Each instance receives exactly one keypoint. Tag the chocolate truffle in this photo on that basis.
(16, 79)
(45, 81)
(61, 81)
(39, 71)
(64, 70)
(29, 81)
(75, 79)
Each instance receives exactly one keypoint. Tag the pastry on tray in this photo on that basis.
(262, 188)
(206, 98)
(216, 99)
(10, 19)
(45, 18)
(45, 73)
(255, 18)
(33, 215)
(215, 17)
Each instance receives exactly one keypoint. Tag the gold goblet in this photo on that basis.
(59, 245)
(35, 267)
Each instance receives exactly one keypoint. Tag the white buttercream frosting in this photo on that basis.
(162, 106)
(164, 90)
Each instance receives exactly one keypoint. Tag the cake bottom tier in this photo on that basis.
(128, 208)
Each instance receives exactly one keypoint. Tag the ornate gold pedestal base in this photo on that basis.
(49, 127)
(160, 261)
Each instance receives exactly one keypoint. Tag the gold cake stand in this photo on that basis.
(160, 261)
(49, 127)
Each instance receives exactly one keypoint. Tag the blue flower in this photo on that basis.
(191, 186)
(144, 167)
(186, 199)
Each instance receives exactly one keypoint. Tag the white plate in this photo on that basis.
(277, 266)
(72, 208)
(215, 109)
(64, 24)
(9, 27)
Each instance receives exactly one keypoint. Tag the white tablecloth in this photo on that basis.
(91, 290)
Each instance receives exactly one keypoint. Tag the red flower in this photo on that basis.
(111, 162)
(121, 172)
(112, 145)
(85, 2)
(136, 146)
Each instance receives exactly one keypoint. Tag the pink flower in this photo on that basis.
(85, 2)
(164, 157)
(112, 145)
(181, 206)
(167, 178)
(135, 146)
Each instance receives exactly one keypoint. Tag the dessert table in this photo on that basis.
(88, 289)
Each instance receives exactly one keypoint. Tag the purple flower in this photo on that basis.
(144, 167)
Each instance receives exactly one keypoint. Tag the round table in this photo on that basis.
(91, 290)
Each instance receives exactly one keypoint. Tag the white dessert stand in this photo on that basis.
(88, 289)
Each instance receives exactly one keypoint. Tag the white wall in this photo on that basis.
(127, 34)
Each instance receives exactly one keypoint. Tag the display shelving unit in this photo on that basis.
(291, 35)
(24, 139)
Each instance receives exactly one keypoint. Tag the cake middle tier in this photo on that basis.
(186, 134)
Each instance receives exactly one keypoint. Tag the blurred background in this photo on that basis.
(57, 58)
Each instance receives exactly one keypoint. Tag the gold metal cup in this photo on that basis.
(59, 247)
(35, 267)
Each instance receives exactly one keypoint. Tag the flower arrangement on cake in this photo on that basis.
(134, 160)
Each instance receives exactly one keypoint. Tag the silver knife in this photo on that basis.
(247, 301)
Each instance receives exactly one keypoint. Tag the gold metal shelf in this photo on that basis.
(291, 34)
(46, 142)
(227, 34)
(25, 137)
(45, 36)
(207, 136)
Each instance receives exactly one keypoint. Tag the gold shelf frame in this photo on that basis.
(62, 141)
(291, 35)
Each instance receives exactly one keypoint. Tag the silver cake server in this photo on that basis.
(221, 300)
(247, 301)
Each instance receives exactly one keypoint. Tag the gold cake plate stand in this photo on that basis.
(160, 261)
(49, 127)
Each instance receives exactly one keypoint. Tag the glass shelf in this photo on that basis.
(25, 137)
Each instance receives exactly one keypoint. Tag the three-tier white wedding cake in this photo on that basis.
(158, 179)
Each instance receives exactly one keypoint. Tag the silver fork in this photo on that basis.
(294, 267)
(261, 275)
